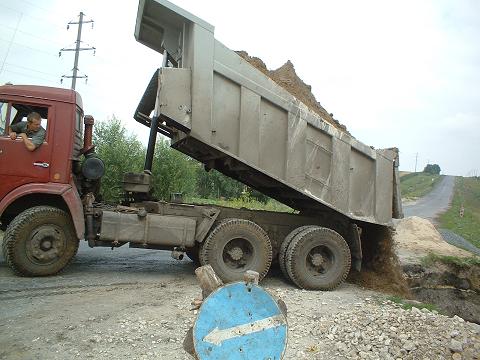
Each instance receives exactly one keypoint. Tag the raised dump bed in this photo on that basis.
(224, 112)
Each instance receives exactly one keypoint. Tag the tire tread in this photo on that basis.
(298, 242)
(10, 239)
(206, 248)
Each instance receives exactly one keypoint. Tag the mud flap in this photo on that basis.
(356, 247)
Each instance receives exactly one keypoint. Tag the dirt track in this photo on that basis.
(125, 303)
(134, 304)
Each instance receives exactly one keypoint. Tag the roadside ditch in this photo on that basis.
(401, 262)
(454, 288)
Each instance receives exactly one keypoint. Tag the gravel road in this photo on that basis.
(134, 304)
(434, 203)
(457, 240)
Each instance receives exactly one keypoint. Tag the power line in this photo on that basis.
(36, 6)
(29, 47)
(31, 34)
(11, 41)
(40, 20)
(77, 50)
(28, 75)
(30, 69)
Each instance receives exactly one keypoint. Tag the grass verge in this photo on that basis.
(466, 194)
(408, 304)
(416, 185)
(462, 262)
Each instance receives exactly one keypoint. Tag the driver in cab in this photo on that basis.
(31, 131)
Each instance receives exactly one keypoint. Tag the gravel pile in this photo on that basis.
(376, 329)
(320, 327)
(348, 323)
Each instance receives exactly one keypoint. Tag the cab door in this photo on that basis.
(18, 166)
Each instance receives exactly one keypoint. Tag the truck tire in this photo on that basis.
(318, 259)
(282, 254)
(40, 241)
(235, 246)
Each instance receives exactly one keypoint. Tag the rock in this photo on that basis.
(454, 333)
(457, 356)
(455, 346)
(409, 346)
(475, 328)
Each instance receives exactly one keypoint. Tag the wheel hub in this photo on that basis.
(46, 244)
(317, 260)
(236, 253)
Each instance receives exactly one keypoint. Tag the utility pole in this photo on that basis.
(416, 158)
(77, 50)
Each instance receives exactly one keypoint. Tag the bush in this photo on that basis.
(173, 172)
(433, 169)
(120, 152)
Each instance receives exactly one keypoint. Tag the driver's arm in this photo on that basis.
(12, 132)
(28, 143)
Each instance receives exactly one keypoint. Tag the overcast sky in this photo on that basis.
(396, 73)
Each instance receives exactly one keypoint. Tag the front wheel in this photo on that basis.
(40, 241)
(235, 246)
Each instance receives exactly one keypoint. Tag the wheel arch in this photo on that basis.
(62, 196)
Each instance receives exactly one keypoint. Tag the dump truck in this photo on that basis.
(220, 110)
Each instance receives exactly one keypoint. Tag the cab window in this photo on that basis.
(3, 117)
(19, 112)
(79, 121)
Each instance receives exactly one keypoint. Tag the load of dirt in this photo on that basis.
(381, 269)
(286, 77)
(416, 237)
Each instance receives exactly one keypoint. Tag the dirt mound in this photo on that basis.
(286, 77)
(416, 237)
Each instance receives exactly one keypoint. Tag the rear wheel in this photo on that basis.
(235, 246)
(282, 254)
(40, 241)
(318, 259)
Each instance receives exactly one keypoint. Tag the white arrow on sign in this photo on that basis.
(217, 336)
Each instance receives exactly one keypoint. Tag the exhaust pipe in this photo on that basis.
(88, 134)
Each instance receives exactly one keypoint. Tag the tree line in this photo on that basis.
(173, 172)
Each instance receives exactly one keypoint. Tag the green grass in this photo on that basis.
(416, 185)
(271, 205)
(408, 306)
(467, 193)
(459, 261)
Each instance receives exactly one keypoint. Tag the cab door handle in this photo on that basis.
(41, 164)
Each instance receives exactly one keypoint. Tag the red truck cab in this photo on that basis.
(43, 176)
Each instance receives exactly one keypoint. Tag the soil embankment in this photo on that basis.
(435, 271)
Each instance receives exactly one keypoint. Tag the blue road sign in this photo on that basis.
(240, 321)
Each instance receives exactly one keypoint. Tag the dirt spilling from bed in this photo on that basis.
(381, 268)
(388, 252)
